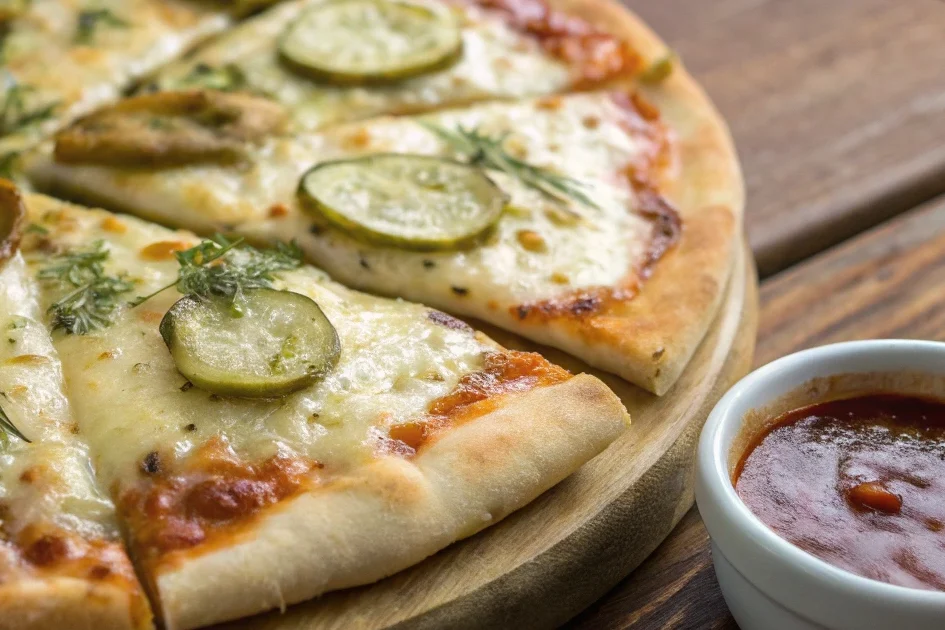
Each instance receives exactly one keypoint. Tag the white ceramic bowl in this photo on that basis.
(768, 583)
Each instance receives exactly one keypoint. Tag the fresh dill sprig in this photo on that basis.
(485, 151)
(219, 267)
(8, 428)
(94, 300)
(15, 113)
(91, 20)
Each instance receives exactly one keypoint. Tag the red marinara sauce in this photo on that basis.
(859, 483)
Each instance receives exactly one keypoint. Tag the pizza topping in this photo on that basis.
(8, 429)
(504, 372)
(10, 9)
(216, 491)
(93, 298)
(91, 21)
(594, 55)
(12, 217)
(659, 70)
(371, 41)
(170, 129)
(408, 201)
(226, 78)
(489, 152)
(20, 107)
(262, 344)
(219, 267)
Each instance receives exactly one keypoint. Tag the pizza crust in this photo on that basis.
(650, 338)
(394, 512)
(76, 604)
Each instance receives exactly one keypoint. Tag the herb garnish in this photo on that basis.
(484, 151)
(95, 299)
(14, 112)
(8, 428)
(226, 78)
(91, 19)
(219, 267)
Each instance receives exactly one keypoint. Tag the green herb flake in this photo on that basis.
(18, 112)
(238, 268)
(488, 152)
(8, 429)
(91, 20)
(93, 302)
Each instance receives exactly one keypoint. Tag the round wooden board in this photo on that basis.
(546, 562)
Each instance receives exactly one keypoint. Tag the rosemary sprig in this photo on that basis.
(94, 300)
(91, 20)
(485, 151)
(15, 114)
(8, 428)
(219, 267)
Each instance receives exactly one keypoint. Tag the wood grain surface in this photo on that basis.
(837, 108)
(887, 283)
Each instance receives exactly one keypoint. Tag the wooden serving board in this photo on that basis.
(546, 562)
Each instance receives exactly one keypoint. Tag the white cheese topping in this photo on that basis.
(50, 480)
(538, 251)
(129, 398)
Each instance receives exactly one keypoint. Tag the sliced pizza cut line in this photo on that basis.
(420, 428)
(62, 562)
(614, 244)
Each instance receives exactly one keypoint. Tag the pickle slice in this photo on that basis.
(263, 344)
(371, 41)
(409, 201)
(171, 129)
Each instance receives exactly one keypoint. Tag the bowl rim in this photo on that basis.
(717, 487)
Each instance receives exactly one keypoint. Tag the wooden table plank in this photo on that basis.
(885, 283)
(837, 108)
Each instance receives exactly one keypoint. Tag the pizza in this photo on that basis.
(60, 59)
(62, 562)
(568, 239)
(266, 427)
(234, 386)
(466, 51)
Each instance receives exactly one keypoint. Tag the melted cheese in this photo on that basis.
(583, 136)
(49, 481)
(126, 390)
(42, 51)
(497, 62)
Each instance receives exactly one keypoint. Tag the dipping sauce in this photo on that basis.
(859, 483)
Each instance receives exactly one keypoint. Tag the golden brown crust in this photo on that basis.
(649, 337)
(394, 512)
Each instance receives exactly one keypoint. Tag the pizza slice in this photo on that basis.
(60, 59)
(267, 433)
(585, 221)
(62, 563)
(330, 62)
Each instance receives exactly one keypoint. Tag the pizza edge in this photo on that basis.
(649, 338)
(393, 512)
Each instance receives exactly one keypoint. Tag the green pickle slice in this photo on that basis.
(371, 41)
(409, 201)
(262, 344)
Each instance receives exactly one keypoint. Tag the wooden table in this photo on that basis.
(838, 111)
